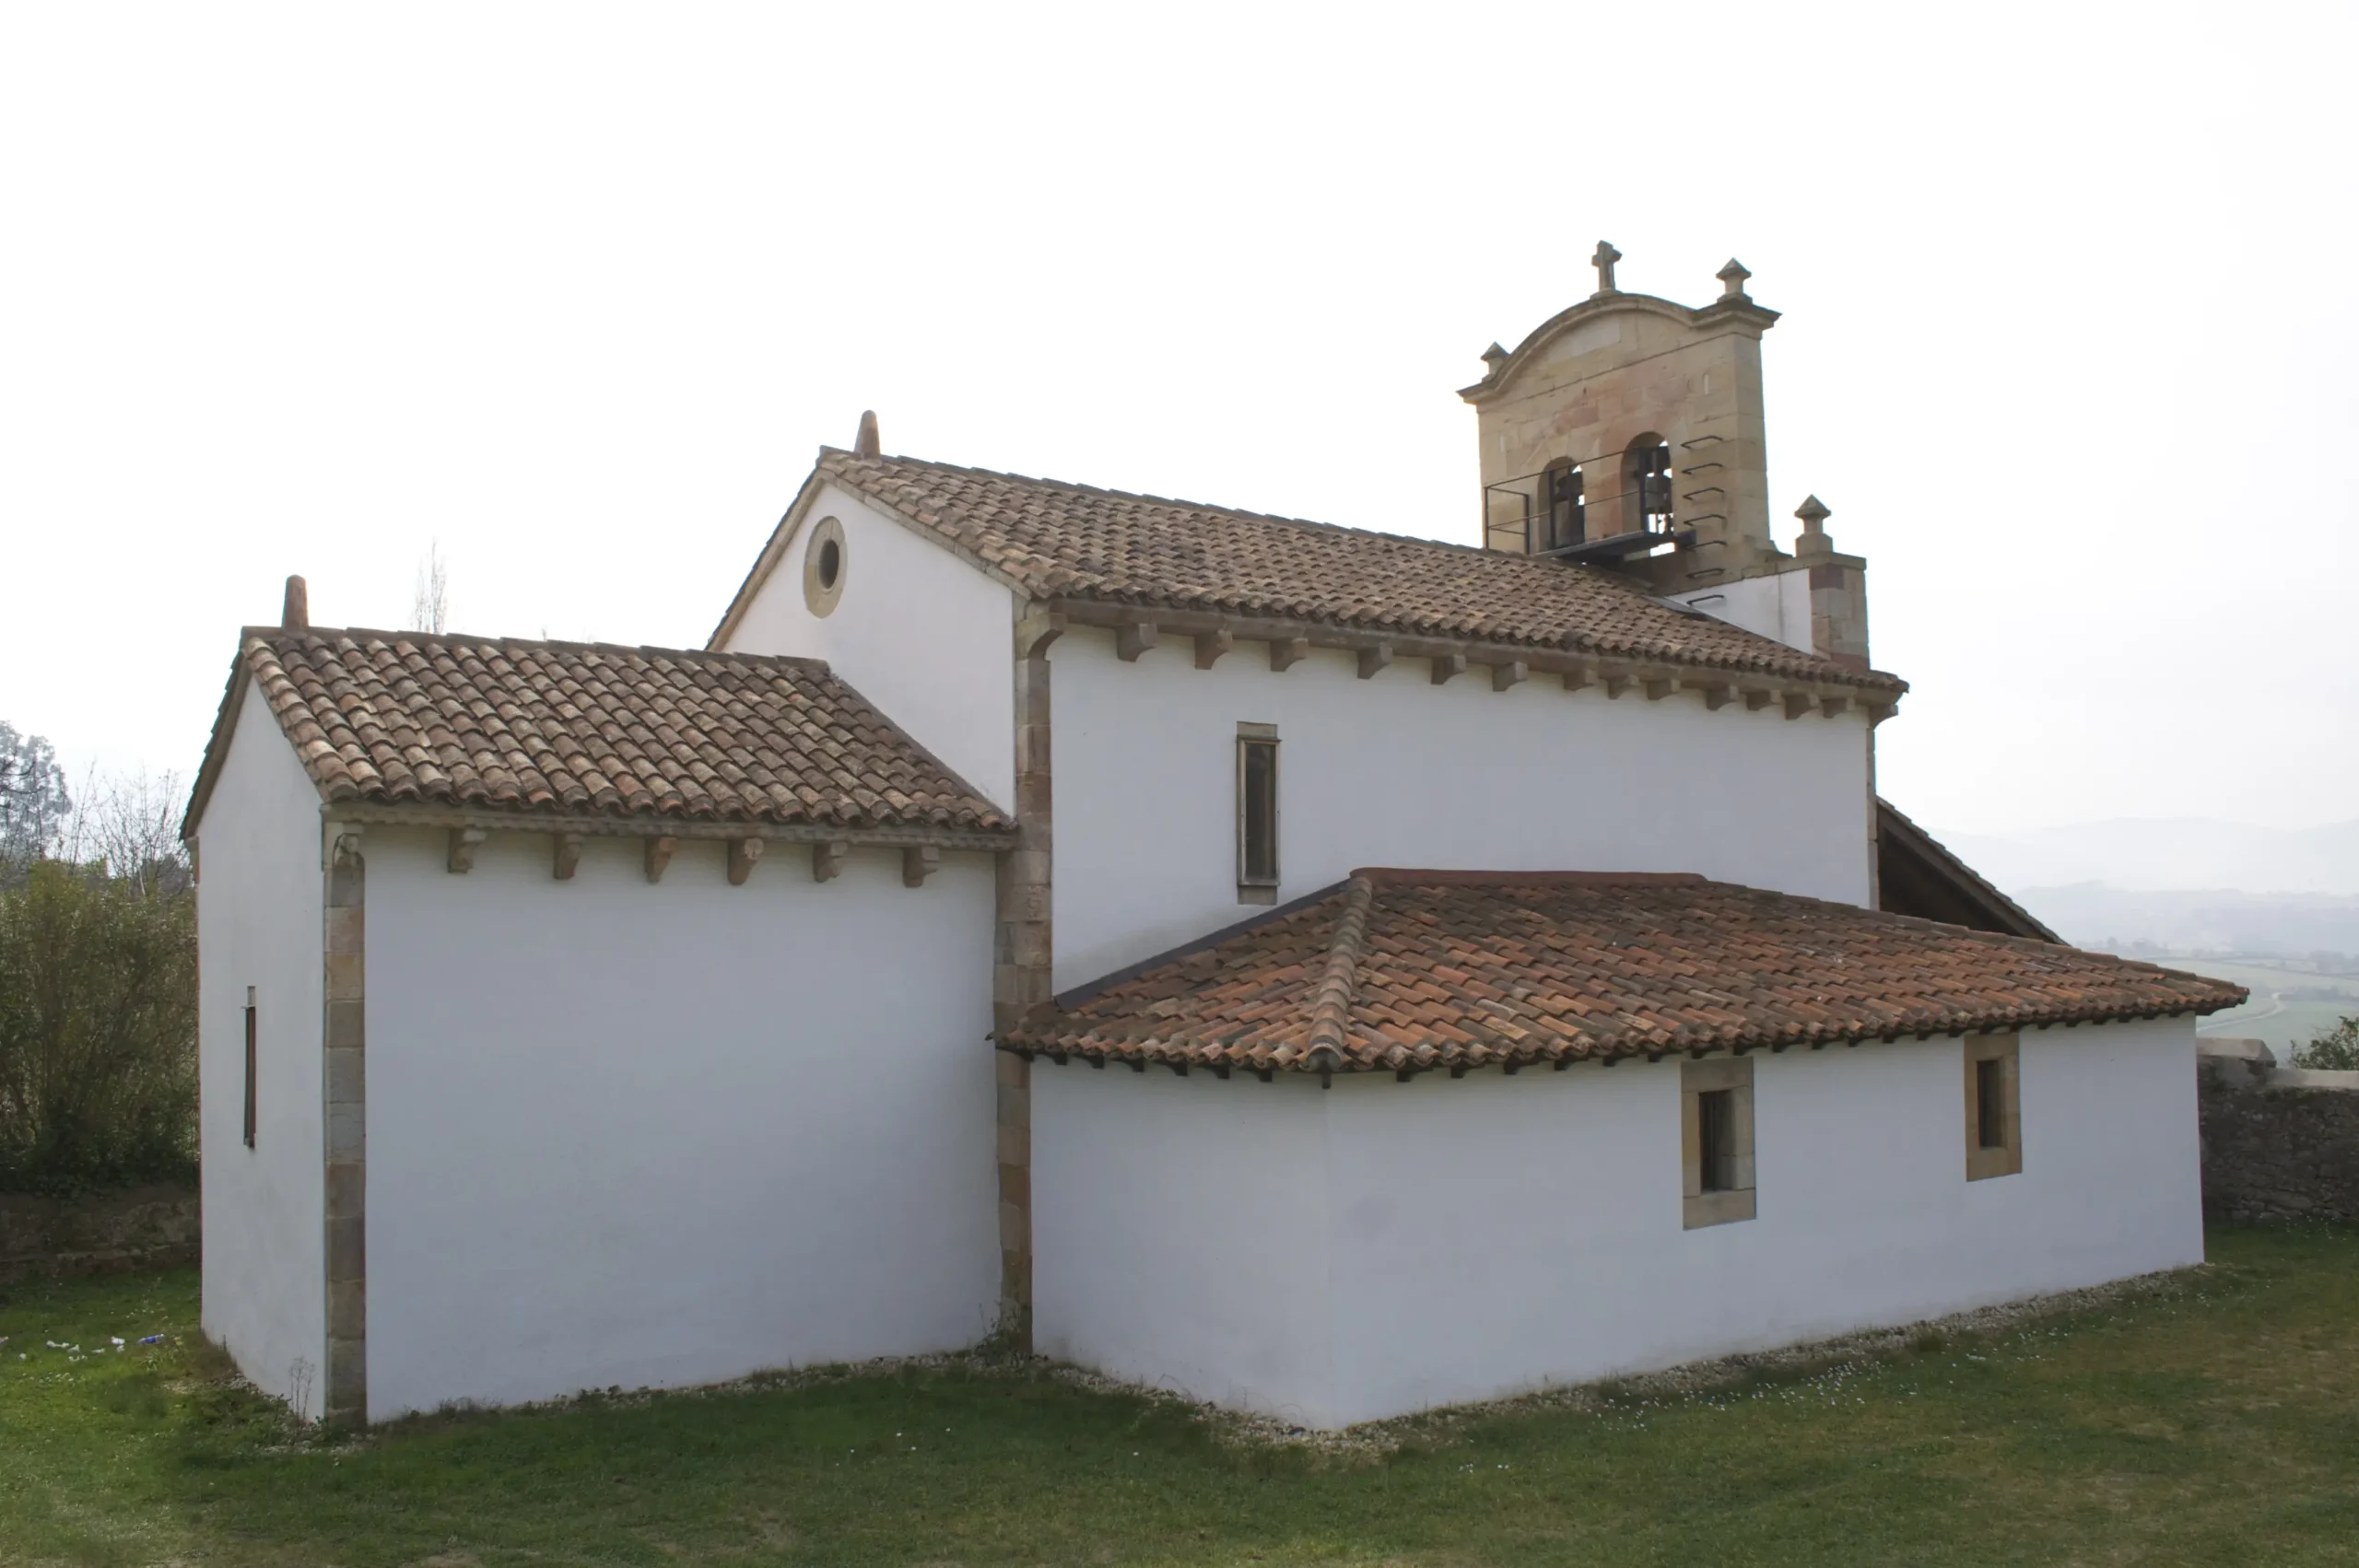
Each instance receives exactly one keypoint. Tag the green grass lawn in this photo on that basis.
(2215, 1421)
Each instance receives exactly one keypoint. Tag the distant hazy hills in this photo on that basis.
(2184, 885)
(2186, 852)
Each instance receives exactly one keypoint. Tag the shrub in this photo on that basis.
(2336, 1050)
(98, 1031)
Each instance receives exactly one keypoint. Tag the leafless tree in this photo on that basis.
(130, 823)
(429, 605)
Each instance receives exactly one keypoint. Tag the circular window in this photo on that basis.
(823, 566)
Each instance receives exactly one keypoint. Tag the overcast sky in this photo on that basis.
(577, 291)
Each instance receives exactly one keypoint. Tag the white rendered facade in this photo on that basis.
(617, 1132)
(1775, 606)
(1299, 1251)
(261, 898)
(662, 1135)
(919, 632)
(1396, 771)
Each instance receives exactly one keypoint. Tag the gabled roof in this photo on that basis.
(1053, 540)
(650, 735)
(1409, 970)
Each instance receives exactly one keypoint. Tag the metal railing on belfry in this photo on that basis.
(1606, 508)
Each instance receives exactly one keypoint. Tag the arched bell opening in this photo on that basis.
(1646, 485)
(1564, 514)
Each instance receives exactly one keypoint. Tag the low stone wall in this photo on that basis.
(2279, 1144)
(146, 1227)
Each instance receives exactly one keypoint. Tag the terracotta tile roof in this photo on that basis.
(1055, 540)
(1407, 970)
(565, 729)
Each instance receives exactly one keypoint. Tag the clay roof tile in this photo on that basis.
(1455, 968)
(575, 729)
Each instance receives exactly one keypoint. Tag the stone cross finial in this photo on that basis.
(1603, 261)
(1733, 278)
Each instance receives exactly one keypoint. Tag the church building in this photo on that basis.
(1320, 971)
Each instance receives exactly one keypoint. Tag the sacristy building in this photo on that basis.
(1321, 972)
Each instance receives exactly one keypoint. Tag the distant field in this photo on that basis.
(2282, 1024)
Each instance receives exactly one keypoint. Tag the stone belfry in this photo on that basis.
(1628, 432)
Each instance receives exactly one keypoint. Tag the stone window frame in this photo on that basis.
(1253, 888)
(1697, 1079)
(821, 591)
(2005, 1155)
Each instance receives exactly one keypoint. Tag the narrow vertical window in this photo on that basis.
(1715, 1139)
(1994, 1137)
(250, 1067)
(1257, 814)
(1991, 1103)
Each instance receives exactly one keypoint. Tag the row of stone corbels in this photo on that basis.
(830, 847)
(1137, 631)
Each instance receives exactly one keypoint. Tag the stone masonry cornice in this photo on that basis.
(895, 837)
(1739, 314)
(1216, 634)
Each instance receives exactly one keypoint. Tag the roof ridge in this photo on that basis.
(819, 666)
(1078, 487)
(1409, 876)
(1330, 1014)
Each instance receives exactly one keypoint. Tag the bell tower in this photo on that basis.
(1628, 432)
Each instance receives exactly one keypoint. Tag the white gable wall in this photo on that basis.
(924, 636)
(1347, 1255)
(260, 899)
(1395, 771)
(1776, 605)
(661, 1135)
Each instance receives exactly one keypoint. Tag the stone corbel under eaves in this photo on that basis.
(830, 843)
(1138, 629)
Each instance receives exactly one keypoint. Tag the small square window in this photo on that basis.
(1994, 1140)
(1715, 1139)
(1257, 814)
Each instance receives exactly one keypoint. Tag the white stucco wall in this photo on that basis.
(1486, 1236)
(1775, 606)
(1395, 771)
(258, 900)
(661, 1135)
(1180, 1235)
(918, 632)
